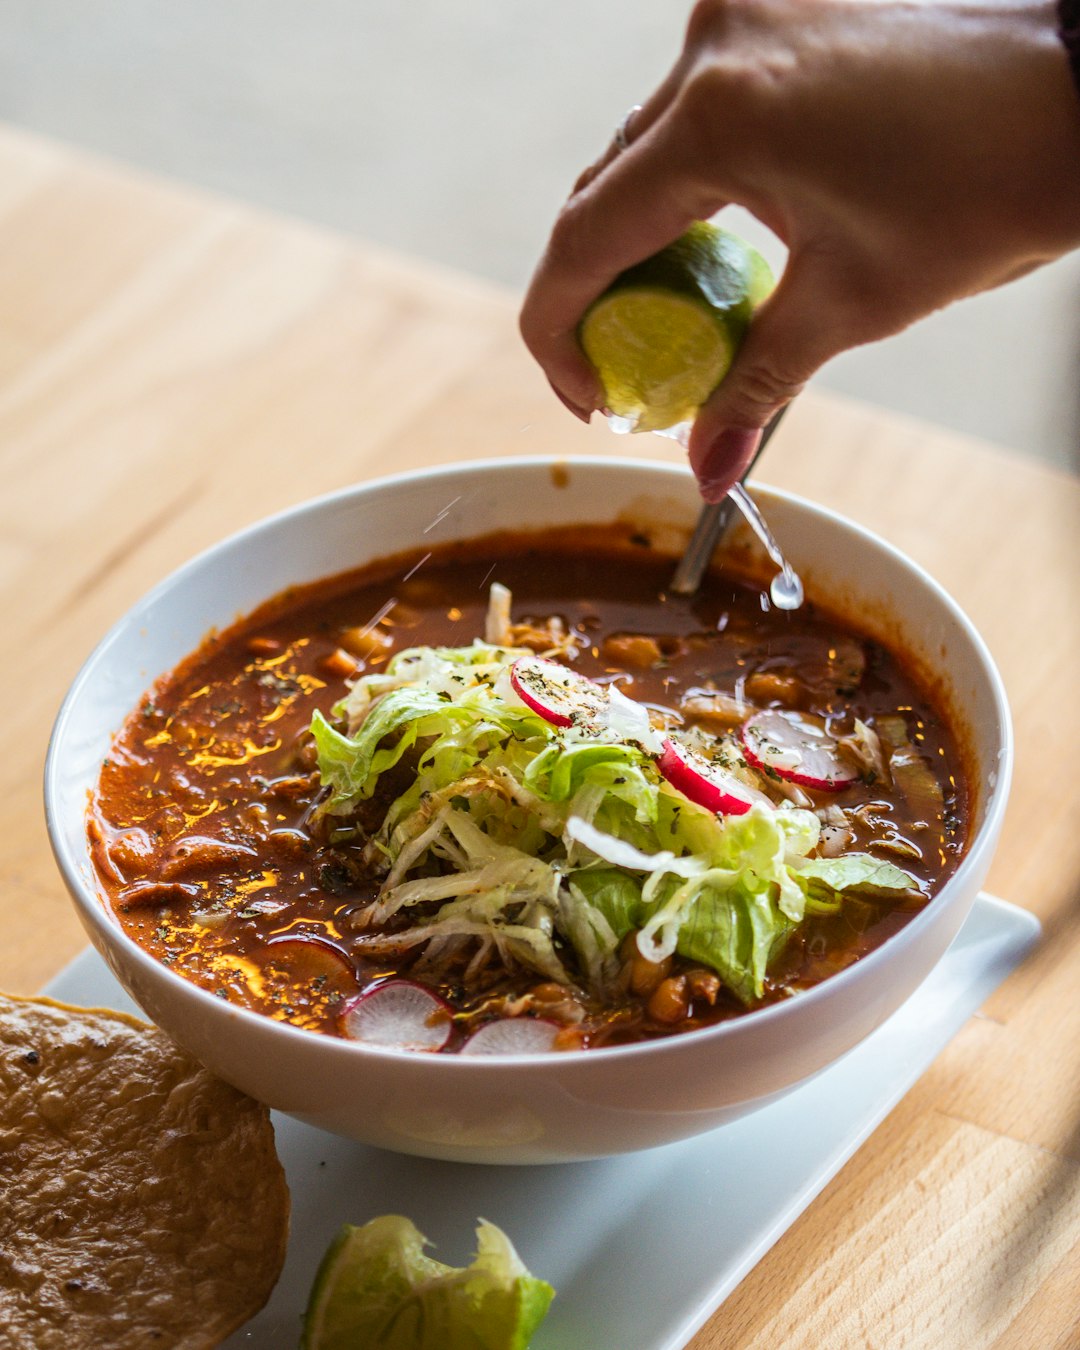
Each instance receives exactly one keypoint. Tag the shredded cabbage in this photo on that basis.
(548, 845)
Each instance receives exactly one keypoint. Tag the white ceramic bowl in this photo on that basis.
(553, 1107)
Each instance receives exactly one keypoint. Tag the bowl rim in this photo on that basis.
(92, 906)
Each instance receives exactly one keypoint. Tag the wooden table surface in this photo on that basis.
(174, 366)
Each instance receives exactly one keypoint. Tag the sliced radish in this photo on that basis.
(561, 696)
(307, 958)
(705, 782)
(399, 1015)
(513, 1036)
(797, 746)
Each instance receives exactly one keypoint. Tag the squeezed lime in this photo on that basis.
(376, 1289)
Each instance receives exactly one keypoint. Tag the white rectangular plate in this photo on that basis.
(641, 1248)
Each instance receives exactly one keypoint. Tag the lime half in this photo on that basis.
(375, 1289)
(665, 332)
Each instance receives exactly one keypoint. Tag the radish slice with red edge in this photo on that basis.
(398, 1015)
(706, 783)
(311, 961)
(797, 747)
(561, 696)
(513, 1036)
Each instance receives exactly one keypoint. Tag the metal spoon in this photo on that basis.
(715, 517)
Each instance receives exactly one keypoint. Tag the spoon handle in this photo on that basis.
(711, 524)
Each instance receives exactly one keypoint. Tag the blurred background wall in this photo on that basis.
(453, 129)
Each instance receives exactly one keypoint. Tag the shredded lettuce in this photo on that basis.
(856, 873)
(548, 845)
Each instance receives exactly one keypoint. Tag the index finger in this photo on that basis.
(645, 197)
(636, 122)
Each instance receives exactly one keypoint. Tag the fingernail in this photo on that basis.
(583, 414)
(580, 404)
(713, 491)
(725, 461)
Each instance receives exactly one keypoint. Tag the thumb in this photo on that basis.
(793, 333)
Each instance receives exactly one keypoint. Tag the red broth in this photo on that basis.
(201, 822)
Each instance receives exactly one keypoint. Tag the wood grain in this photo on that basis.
(968, 1203)
(174, 366)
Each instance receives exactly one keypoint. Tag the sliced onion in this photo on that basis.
(704, 782)
(399, 1015)
(513, 1036)
(797, 747)
(629, 720)
(561, 696)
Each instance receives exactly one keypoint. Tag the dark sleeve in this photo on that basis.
(1068, 13)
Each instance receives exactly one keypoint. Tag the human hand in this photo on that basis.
(906, 154)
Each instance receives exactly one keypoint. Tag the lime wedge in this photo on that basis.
(375, 1289)
(665, 332)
